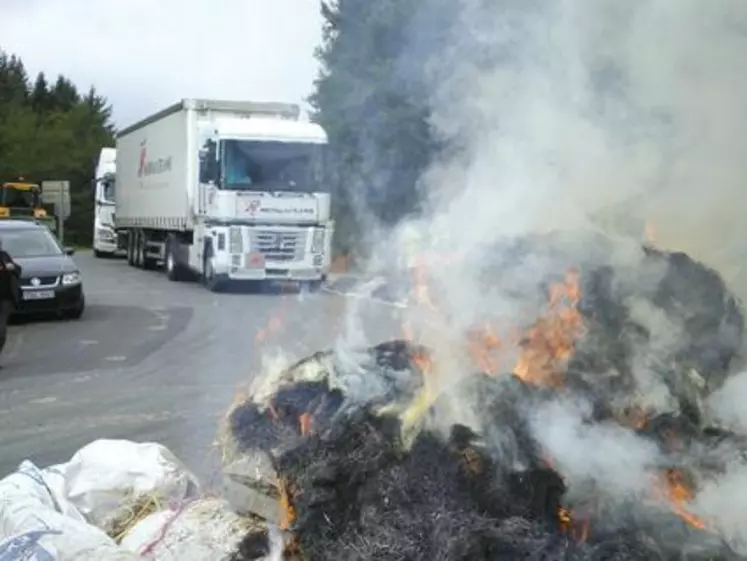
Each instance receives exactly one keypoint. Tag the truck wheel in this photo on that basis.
(138, 243)
(147, 263)
(172, 268)
(131, 248)
(209, 279)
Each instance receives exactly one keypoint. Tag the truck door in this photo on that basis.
(209, 174)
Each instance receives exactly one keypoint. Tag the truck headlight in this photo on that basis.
(235, 240)
(317, 241)
(71, 278)
(105, 233)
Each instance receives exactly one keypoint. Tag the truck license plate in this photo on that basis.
(254, 261)
(38, 294)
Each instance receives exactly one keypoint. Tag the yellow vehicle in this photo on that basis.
(21, 199)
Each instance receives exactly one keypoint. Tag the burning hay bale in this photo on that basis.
(564, 456)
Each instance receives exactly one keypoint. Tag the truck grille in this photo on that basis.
(279, 246)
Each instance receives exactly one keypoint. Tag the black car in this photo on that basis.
(50, 279)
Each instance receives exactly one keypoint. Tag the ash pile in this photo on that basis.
(589, 432)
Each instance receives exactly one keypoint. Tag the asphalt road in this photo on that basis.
(153, 360)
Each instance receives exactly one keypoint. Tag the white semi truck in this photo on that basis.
(104, 235)
(226, 190)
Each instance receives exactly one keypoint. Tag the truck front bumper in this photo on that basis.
(106, 247)
(254, 267)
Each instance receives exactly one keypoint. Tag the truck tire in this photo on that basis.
(131, 248)
(139, 250)
(147, 263)
(170, 264)
(209, 279)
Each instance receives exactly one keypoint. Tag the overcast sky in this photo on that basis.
(146, 54)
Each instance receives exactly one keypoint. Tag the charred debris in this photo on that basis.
(350, 484)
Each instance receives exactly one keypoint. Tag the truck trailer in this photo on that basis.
(104, 235)
(231, 191)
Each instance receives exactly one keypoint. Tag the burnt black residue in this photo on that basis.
(360, 494)
(255, 545)
(487, 492)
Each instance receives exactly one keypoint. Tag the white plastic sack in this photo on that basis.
(106, 474)
(34, 528)
(204, 530)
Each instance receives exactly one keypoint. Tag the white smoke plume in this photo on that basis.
(611, 457)
(727, 404)
(569, 115)
(578, 115)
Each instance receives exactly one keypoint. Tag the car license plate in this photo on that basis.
(254, 261)
(38, 294)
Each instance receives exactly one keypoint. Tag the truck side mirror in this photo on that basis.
(208, 170)
(208, 163)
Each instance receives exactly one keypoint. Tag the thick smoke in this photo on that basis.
(565, 113)
(578, 116)
(569, 114)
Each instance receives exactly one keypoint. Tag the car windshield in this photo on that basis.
(250, 165)
(29, 243)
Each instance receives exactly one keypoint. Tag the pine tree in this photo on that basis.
(40, 97)
(53, 133)
(13, 80)
(374, 112)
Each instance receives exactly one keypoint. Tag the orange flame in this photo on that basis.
(550, 342)
(547, 345)
(483, 346)
(304, 424)
(423, 362)
(275, 324)
(672, 487)
(577, 529)
(287, 509)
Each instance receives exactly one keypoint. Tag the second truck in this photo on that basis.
(230, 191)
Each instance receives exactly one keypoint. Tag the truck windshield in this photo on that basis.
(12, 196)
(253, 165)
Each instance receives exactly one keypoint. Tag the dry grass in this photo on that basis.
(131, 513)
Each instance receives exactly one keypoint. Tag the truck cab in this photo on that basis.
(266, 209)
(104, 236)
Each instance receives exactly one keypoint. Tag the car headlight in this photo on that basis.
(317, 241)
(71, 278)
